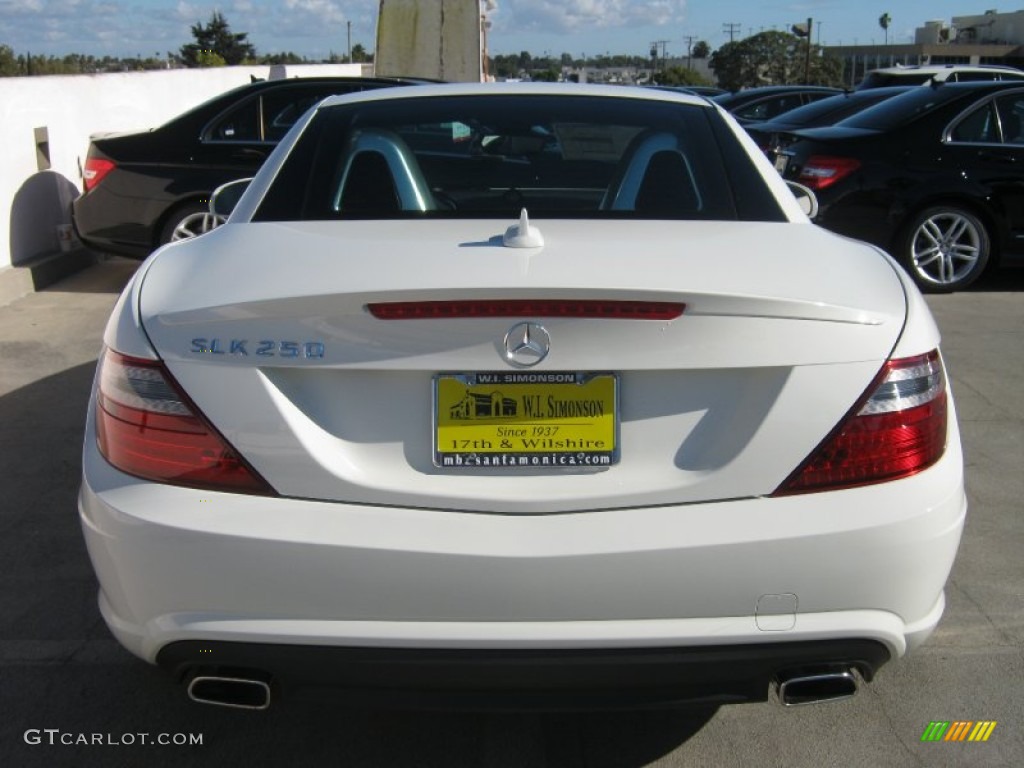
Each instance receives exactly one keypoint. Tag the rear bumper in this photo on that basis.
(113, 224)
(698, 603)
(522, 679)
(177, 564)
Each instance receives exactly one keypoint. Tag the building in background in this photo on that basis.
(987, 38)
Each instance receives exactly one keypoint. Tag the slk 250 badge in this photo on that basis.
(263, 348)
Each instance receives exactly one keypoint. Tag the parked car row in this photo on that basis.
(930, 170)
(934, 175)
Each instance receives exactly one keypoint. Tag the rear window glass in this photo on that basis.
(901, 109)
(835, 108)
(556, 156)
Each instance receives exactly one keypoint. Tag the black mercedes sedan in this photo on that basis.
(935, 176)
(826, 111)
(147, 188)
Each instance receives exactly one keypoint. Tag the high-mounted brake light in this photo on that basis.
(443, 310)
(95, 169)
(147, 427)
(897, 430)
(822, 171)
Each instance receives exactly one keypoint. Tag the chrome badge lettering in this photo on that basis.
(307, 350)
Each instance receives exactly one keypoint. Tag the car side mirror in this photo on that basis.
(226, 197)
(805, 198)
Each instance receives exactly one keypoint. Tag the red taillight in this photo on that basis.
(95, 169)
(146, 427)
(821, 171)
(898, 429)
(612, 310)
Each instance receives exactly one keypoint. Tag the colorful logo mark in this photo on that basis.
(958, 730)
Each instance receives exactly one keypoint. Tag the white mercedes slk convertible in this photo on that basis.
(520, 395)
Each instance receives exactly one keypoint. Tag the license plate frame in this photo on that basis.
(515, 420)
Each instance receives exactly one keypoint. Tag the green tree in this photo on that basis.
(701, 49)
(504, 66)
(206, 58)
(773, 58)
(884, 21)
(8, 62)
(288, 57)
(359, 54)
(217, 40)
(680, 76)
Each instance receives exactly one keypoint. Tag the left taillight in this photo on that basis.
(96, 168)
(897, 429)
(822, 171)
(147, 427)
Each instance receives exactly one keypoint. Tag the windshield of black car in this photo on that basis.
(491, 156)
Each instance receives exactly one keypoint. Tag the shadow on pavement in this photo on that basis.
(1000, 279)
(110, 275)
(61, 670)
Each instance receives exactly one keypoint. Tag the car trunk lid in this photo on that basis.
(267, 328)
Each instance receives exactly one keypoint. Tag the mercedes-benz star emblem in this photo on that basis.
(526, 344)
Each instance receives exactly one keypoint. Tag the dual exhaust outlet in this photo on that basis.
(815, 687)
(253, 693)
(241, 692)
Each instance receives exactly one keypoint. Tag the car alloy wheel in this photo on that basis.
(947, 248)
(195, 224)
(190, 221)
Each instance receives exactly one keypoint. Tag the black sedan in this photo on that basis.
(144, 189)
(770, 101)
(934, 175)
(827, 111)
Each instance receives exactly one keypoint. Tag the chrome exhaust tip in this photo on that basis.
(234, 692)
(816, 688)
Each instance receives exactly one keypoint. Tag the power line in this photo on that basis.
(731, 29)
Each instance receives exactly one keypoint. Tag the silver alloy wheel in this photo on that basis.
(195, 224)
(946, 247)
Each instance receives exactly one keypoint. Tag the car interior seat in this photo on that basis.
(654, 178)
(380, 174)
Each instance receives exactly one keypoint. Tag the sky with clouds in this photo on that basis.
(315, 28)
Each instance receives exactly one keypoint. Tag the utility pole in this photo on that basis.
(658, 47)
(350, 42)
(731, 29)
(689, 50)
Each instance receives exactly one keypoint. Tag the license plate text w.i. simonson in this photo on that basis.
(518, 419)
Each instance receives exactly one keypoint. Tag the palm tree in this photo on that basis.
(884, 21)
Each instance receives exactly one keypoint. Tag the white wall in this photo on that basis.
(71, 108)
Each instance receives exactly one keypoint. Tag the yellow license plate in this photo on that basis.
(516, 419)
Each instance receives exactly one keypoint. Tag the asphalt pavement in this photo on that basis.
(70, 696)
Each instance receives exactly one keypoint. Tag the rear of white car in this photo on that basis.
(591, 458)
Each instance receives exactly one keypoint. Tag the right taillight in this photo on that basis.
(822, 171)
(95, 169)
(898, 429)
(145, 426)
